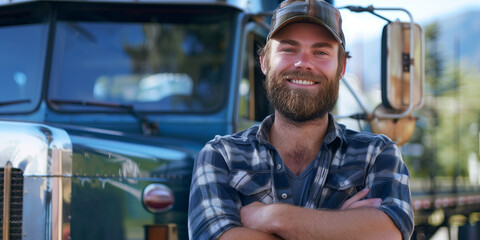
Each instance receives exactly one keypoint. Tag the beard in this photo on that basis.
(301, 105)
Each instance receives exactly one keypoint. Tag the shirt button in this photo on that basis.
(284, 195)
(342, 184)
(279, 166)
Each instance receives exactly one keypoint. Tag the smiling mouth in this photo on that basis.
(302, 82)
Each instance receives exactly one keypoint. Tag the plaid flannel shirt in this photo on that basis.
(236, 170)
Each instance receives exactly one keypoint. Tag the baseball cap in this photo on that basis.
(311, 11)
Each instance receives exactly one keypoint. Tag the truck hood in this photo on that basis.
(64, 150)
(112, 154)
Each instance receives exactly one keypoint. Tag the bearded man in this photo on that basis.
(300, 174)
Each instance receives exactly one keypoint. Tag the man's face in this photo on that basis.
(302, 71)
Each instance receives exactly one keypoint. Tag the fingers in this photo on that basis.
(356, 201)
(358, 196)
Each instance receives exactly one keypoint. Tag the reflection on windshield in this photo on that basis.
(21, 66)
(162, 85)
(169, 67)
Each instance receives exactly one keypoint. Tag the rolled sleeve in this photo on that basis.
(213, 206)
(389, 180)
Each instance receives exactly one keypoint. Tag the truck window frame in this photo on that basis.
(140, 13)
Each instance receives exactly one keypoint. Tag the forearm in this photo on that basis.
(241, 233)
(290, 222)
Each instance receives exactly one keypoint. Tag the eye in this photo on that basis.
(320, 53)
(287, 50)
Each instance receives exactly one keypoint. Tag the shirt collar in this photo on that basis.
(334, 130)
(264, 129)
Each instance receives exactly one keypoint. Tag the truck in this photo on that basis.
(104, 105)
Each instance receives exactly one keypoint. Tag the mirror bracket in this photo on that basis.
(406, 62)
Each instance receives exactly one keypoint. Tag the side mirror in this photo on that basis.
(402, 66)
(402, 77)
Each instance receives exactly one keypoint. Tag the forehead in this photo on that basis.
(305, 33)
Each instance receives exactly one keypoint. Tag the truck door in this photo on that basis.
(253, 105)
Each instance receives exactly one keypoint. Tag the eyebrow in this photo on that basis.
(322, 44)
(289, 42)
(315, 45)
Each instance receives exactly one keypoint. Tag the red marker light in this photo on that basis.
(157, 198)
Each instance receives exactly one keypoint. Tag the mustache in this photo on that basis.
(299, 74)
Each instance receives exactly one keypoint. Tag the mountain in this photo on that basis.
(460, 31)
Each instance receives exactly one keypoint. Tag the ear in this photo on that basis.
(344, 67)
(262, 64)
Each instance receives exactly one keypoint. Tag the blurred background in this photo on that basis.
(443, 154)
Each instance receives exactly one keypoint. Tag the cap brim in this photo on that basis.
(305, 19)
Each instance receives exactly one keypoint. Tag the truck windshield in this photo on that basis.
(22, 56)
(165, 60)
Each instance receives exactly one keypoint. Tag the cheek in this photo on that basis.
(279, 64)
(331, 67)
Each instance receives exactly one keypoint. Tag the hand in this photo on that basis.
(252, 215)
(356, 201)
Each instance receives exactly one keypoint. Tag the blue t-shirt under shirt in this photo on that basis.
(300, 184)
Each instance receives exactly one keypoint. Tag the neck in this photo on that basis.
(298, 143)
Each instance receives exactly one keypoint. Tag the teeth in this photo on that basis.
(302, 82)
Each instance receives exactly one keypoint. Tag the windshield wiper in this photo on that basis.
(6, 103)
(148, 128)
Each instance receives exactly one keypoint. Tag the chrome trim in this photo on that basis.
(44, 154)
(7, 177)
(37, 149)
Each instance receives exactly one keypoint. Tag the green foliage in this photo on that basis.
(449, 120)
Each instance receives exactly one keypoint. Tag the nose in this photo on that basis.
(304, 61)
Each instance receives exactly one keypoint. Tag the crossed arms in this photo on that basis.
(219, 203)
(357, 219)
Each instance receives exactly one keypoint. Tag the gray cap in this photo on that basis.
(311, 11)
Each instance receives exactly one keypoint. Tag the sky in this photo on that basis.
(363, 30)
(423, 12)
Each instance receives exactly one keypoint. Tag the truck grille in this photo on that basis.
(16, 202)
